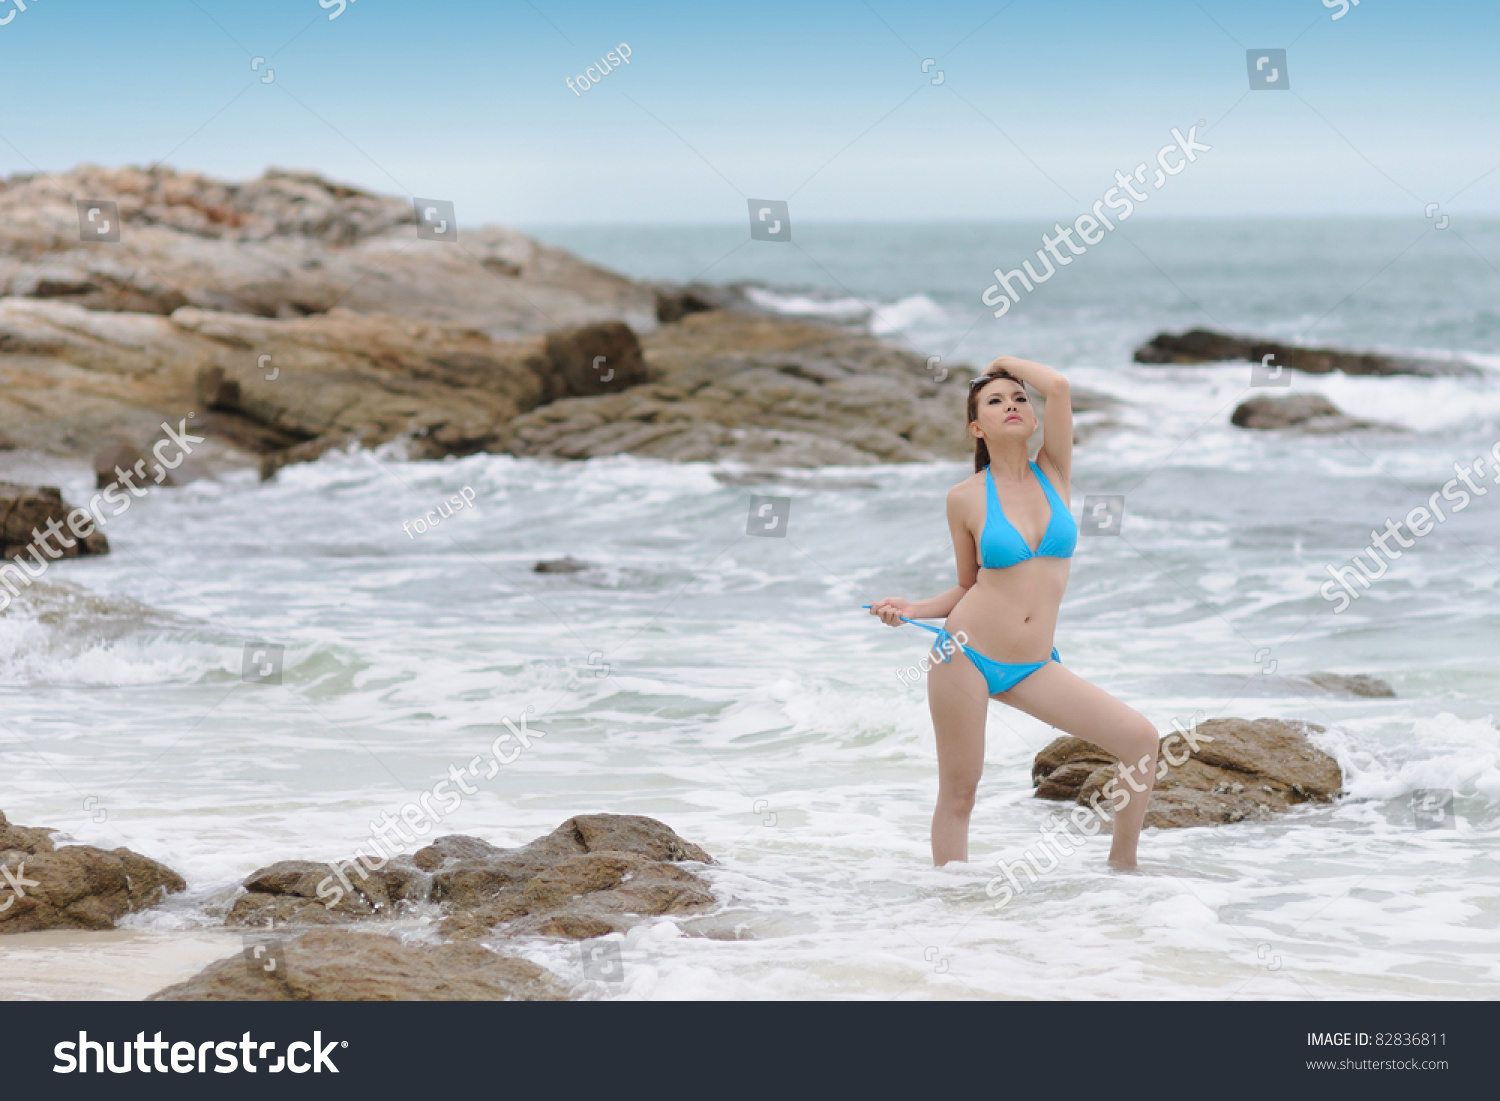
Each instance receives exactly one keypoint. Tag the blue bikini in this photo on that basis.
(1001, 545)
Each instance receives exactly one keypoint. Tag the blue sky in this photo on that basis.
(1391, 106)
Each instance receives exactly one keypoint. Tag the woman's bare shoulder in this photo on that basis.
(967, 492)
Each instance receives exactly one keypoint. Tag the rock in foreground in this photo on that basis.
(76, 886)
(28, 510)
(1239, 769)
(1207, 346)
(594, 874)
(338, 965)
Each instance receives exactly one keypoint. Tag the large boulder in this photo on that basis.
(75, 886)
(1229, 770)
(594, 874)
(339, 965)
(1207, 346)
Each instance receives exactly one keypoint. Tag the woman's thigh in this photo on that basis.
(958, 700)
(1065, 700)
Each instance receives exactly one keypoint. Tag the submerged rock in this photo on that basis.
(1207, 346)
(75, 886)
(594, 874)
(565, 564)
(1240, 769)
(1308, 413)
(1359, 684)
(340, 965)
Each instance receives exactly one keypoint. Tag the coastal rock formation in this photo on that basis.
(594, 874)
(26, 510)
(75, 886)
(339, 965)
(291, 315)
(1207, 346)
(288, 244)
(1312, 414)
(760, 389)
(1231, 770)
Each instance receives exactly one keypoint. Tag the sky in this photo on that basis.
(1025, 110)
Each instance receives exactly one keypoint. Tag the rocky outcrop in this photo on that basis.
(339, 965)
(28, 510)
(75, 886)
(1310, 414)
(1229, 771)
(1358, 684)
(593, 875)
(292, 315)
(286, 390)
(288, 244)
(760, 389)
(1207, 346)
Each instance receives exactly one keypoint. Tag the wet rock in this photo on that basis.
(1207, 346)
(1308, 413)
(288, 893)
(306, 452)
(566, 564)
(73, 886)
(340, 965)
(1359, 684)
(594, 874)
(28, 510)
(1062, 767)
(1240, 769)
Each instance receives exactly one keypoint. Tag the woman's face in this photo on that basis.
(1003, 409)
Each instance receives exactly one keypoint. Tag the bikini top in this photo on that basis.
(1001, 545)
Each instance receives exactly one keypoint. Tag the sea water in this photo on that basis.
(731, 686)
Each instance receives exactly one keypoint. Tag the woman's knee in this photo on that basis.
(1143, 742)
(957, 797)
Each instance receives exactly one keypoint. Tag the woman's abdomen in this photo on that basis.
(1011, 614)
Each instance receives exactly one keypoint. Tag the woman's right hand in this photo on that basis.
(891, 609)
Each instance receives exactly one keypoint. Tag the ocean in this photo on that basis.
(732, 687)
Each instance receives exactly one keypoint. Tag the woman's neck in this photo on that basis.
(1011, 463)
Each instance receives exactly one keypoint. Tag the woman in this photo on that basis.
(1013, 535)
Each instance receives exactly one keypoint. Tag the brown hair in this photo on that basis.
(981, 449)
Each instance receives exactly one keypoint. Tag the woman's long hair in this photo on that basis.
(981, 449)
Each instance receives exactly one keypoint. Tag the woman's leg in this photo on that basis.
(959, 701)
(1073, 705)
